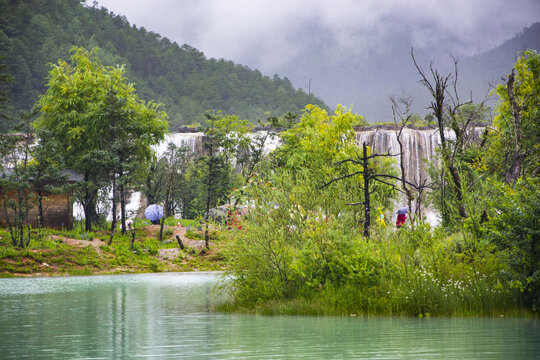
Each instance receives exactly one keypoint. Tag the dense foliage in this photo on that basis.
(103, 129)
(34, 33)
(298, 239)
(300, 250)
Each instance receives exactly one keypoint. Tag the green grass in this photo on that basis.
(172, 221)
(420, 273)
(366, 302)
(46, 256)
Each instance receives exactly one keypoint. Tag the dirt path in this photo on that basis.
(96, 243)
(153, 231)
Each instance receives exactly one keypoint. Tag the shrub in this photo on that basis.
(325, 267)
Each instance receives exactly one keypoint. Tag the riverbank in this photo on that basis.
(61, 253)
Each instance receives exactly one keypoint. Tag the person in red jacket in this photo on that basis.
(401, 218)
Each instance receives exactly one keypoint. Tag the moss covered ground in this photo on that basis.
(77, 252)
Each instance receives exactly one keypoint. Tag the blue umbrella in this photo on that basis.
(403, 210)
(153, 212)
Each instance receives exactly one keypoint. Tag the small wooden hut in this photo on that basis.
(57, 208)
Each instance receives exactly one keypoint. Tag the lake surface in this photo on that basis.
(170, 316)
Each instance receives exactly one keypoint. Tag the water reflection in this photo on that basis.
(169, 316)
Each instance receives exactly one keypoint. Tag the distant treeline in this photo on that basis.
(35, 33)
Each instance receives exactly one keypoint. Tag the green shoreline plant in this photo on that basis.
(301, 251)
(333, 271)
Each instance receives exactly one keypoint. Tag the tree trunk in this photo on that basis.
(367, 202)
(88, 205)
(206, 214)
(113, 223)
(10, 227)
(40, 210)
(458, 191)
(516, 158)
(122, 207)
(88, 214)
(208, 197)
(182, 247)
(513, 172)
(162, 221)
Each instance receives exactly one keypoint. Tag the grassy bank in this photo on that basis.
(321, 270)
(325, 269)
(76, 252)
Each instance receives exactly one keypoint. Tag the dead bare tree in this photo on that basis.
(513, 170)
(369, 175)
(447, 108)
(401, 109)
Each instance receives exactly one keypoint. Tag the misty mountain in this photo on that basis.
(35, 33)
(366, 75)
(361, 69)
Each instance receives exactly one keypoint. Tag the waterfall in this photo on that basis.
(419, 147)
(272, 141)
(193, 141)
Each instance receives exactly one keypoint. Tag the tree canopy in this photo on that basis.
(515, 141)
(99, 122)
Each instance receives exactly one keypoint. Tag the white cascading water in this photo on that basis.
(418, 147)
(418, 151)
(193, 141)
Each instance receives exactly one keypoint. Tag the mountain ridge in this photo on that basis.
(188, 83)
(367, 80)
(34, 33)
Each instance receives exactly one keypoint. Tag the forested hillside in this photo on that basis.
(489, 67)
(35, 33)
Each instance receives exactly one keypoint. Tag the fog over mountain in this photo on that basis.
(344, 51)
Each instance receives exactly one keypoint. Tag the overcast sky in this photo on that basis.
(265, 34)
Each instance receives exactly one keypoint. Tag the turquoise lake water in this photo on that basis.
(170, 316)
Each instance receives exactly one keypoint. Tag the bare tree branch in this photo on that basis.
(340, 178)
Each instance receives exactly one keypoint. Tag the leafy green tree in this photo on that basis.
(309, 153)
(516, 136)
(223, 134)
(35, 33)
(130, 128)
(316, 152)
(5, 79)
(16, 193)
(169, 179)
(301, 236)
(512, 161)
(429, 119)
(175, 180)
(415, 120)
(479, 114)
(46, 171)
(516, 230)
(99, 122)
